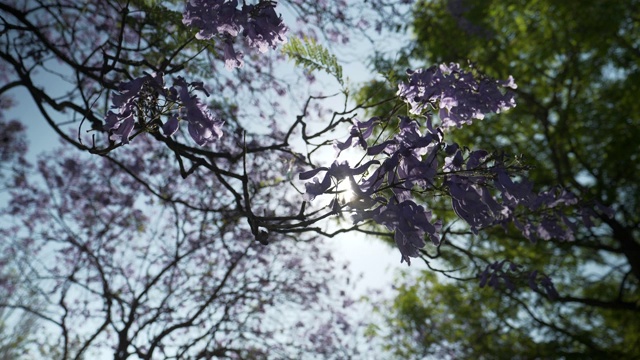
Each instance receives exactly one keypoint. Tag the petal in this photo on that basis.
(171, 126)
(311, 173)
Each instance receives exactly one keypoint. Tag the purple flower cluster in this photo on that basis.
(142, 98)
(410, 161)
(496, 275)
(337, 171)
(410, 222)
(259, 24)
(471, 184)
(129, 101)
(203, 126)
(480, 185)
(458, 95)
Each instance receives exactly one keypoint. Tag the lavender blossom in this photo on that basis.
(203, 126)
(480, 185)
(263, 27)
(459, 97)
(126, 101)
(411, 223)
(122, 128)
(358, 135)
(129, 91)
(260, 25)
(338, 171)
(141, 96)
(171, 126)
(232, 59)
(513, 193)
(213, 17)
(474, 204)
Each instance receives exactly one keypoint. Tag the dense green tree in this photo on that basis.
(577, 122)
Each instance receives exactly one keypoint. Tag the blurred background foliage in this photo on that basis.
(577, 123)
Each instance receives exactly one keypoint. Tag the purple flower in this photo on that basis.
(474, 204)
(121, 124)
(260, 25)
(120, 128)
(549, 288)
(459, 97)
(171, 126)
(410, 222)
(232, 59)
(495, 275)
(263, 28)
(213, 17)
(359, 132)
(476, 159)
(513, 193)
(316, 187)
(203, 126)
(454, 161)
(338, 171)
(406, 165)
(129, 91)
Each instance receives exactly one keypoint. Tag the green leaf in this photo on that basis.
(313, 56)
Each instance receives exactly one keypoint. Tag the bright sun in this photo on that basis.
(346, 191)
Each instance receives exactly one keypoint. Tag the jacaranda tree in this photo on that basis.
(177, 230)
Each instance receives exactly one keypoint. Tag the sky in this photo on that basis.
(370, 260)
(373, 264)
(376, 263)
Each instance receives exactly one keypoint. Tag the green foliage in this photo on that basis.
(577, 66)
(151, 3)
(445, 319)
(313, 56)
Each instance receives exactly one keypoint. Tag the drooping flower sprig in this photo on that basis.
(138, 99)
(458, 95)
(142, 102)
(417, 159)
(258, 23)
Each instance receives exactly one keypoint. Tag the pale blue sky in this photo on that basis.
(369, 258)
